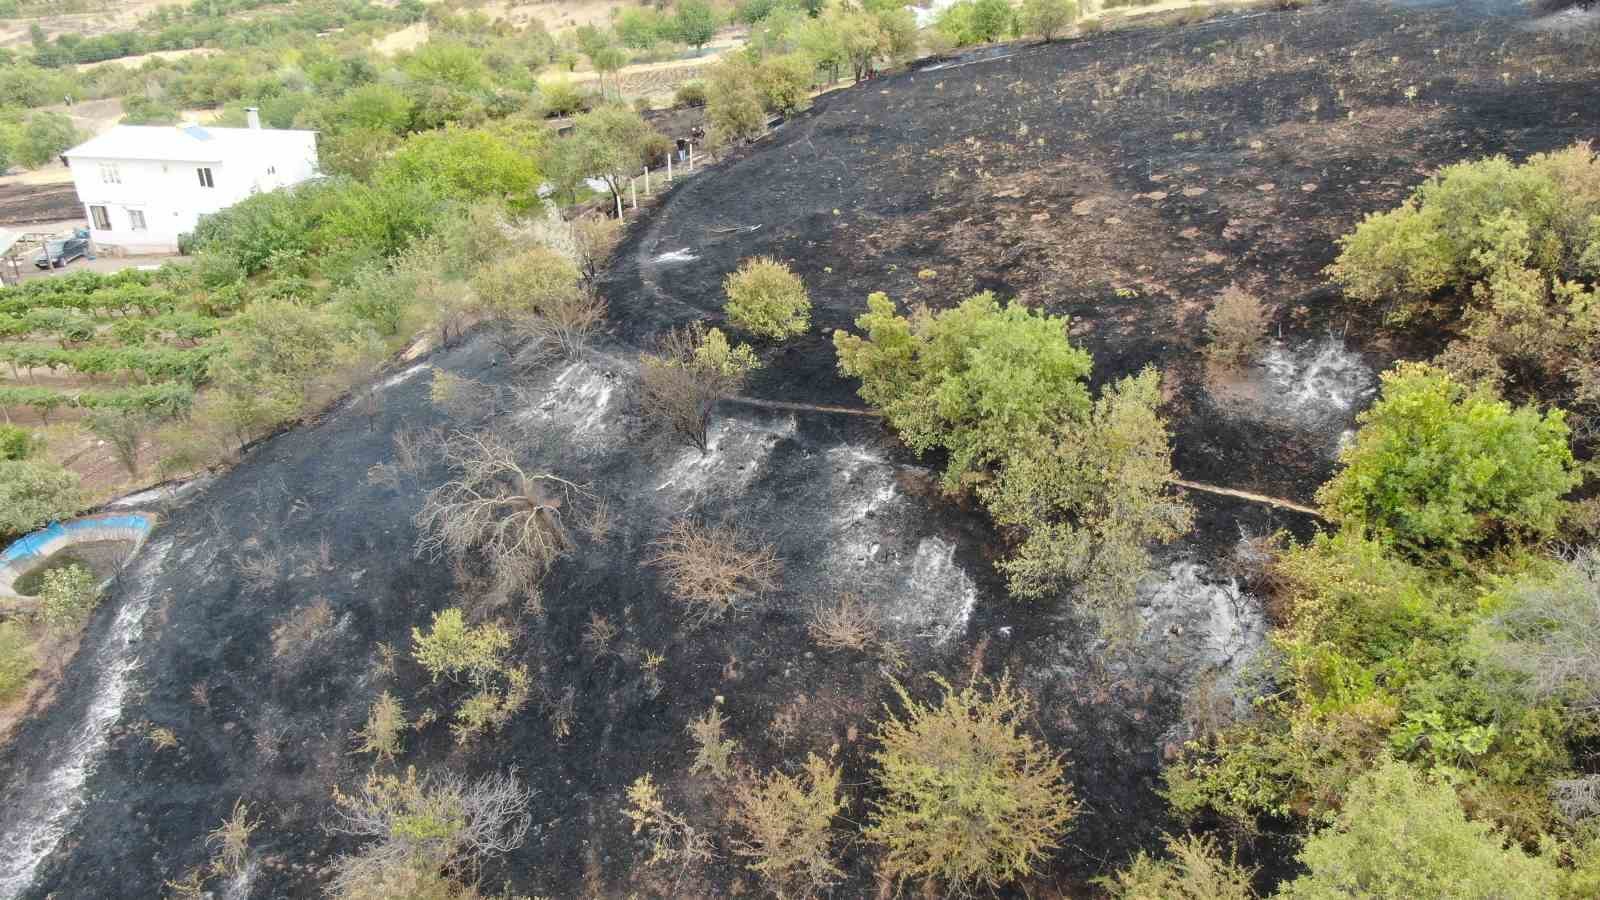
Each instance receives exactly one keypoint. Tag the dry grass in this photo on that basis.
(231, 839)
(598, 635)
(300, 629)
(711, 569)
(260, 572)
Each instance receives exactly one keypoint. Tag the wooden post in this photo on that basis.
(669, 164)
(691, 159)
(619, 204)
(647, 181)
(633, 189)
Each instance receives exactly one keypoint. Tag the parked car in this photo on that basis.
(60, 251)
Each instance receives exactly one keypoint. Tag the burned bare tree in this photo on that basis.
(690, 371)
(468, 822)
(512, 514)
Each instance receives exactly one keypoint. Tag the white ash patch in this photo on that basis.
(684, 255)
(1194, 622)
(579, 401)
(402, 377)
(166, 492)
(736, 451)
(1317, 379)
(937, 595)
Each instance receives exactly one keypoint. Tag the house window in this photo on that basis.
(136, 219)
(109, 174)
(102, 219)
(205, 177)
(272, 170)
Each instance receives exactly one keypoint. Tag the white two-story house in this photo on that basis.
(143, 186)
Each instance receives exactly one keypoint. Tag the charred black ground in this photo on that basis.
(1123, 180)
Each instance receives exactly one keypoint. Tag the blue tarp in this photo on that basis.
(31, 545)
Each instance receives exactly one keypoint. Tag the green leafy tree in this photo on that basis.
(1089, 499)
(34, 493)
(1401, 835)
(375, 107)
(765, 297)
(695, 22)
(1441, 470)
(17, 442)
(735, 108)
(608, 61)
(45, 136)
(466, 164)
(447, 63)
(976, 380)
(612, 143)
(969, 799)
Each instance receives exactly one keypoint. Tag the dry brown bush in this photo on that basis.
(598, 635)
(423, 826)
(788, 823)
(594, 237)
(1236, 325)
(845, 624)
(260, 572)
(514, 515)
(558, 329)
(711, 569)
(690, 371)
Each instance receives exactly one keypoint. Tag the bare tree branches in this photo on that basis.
(513, 515)
(466, 822)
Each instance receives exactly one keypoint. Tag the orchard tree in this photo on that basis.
(1048, 18)
(34, 493)
(467, 164)
(613, 143)
(608, 60)
(695, 23)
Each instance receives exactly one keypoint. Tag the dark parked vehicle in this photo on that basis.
(58, 252)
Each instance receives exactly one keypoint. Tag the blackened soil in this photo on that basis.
(1123, 180)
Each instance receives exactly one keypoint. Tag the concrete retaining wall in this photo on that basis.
(30, 552)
